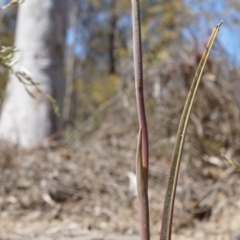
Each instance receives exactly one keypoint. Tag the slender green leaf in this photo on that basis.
(166, 227)
(232, 162)
(54, 104)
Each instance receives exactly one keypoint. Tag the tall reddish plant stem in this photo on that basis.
(142, 152)
(138, 70)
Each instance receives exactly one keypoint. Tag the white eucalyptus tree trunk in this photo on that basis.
(40, 40)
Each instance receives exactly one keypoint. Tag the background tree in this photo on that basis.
(103, 53)
(70, 57)
(27, 115)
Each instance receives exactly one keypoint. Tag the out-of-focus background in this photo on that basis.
(69, 126)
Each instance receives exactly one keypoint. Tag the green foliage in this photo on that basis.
(6, 56)
(6, 60)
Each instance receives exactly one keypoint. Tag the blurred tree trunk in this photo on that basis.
(112, 30)
(40, 39)
(74, 12)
